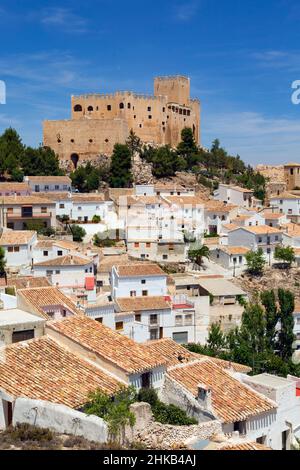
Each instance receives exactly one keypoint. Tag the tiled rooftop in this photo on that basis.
(103, 341)
(43, 370)
(139, 270)
(231, 400)
(41, 297)
(16, 237)
(143, 303)
(175, 354)
(67, 260)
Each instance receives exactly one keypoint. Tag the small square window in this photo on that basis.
(45, 253)
(119, 325)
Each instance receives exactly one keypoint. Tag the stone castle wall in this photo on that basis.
(99, 121)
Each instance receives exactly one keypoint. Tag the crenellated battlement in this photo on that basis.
(172, 77)
(122, 94)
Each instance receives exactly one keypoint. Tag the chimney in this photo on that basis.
(204, 397)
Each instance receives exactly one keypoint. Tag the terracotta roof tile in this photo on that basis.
(50, 179)
(14, 186)
(67, 260)
(23, 282)
(244, 446)
(41, 297)
(99, 339)
(143, 303)
(139, 270)
(234, 250)
(175, 354)
(16, 237)
(31, 200)
(43, 370)
(231, 400)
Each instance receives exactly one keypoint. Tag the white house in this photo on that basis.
(232, 258)
(288, 204)
(48, 183)
(236, 195)
(297, 325)
(291, 235)
(44, 250)
(85, 206)
(138, 280)
(163, 189)
(18, 246)
(70, 273)
(217, 213)
(283, 427)
(262, 236)
(18, 211)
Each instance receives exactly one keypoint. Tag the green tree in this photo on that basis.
(286, 333)
(165, 162)
(11, 150)
(120, 168)
(255, 262)
(196, 255)
(78, 233)
(188, 149)
(86, 178)
(40, 162)
(216, 340)
(116, 412)
(134, 143)
(285, 254)
(2, 262)
(268, 300)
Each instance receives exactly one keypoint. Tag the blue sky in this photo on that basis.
(241, 55)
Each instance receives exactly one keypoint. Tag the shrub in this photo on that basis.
(96, 219)
(78, 233)
(165, 414)
(27, 432)
(10, 291)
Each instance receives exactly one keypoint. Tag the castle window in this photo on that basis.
(97, 107)
(188, 112)
(168, 117)
(106, 140)
(72, 140)
(90, 108)
(149, 108)
(164, 109)
(140, 125)
(180, 111)
(164, 129)
(108, 107)
(134, 117)
(59, 141)
(149, 117)
(77, 108)
(163, 123)
(173, 108)
(176, 110)
(184, 112)
(121, 105)
(128, 105)
(90, 141)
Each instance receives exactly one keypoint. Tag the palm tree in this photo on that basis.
(196, 255)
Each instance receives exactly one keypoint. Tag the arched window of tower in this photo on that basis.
(128, 105)
(77, 108)
(121, 105)
(90, 108)
(74, 159)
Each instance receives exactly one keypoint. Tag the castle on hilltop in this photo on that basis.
(99, 121)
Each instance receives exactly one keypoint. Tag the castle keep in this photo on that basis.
(99, 121)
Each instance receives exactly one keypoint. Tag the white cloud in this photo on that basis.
(255, 137)
(186, 11)
(64, 19)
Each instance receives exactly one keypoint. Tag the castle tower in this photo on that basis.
(292, 175)
(176, 88)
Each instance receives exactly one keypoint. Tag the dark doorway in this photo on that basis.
(75, 159)
(146, 382)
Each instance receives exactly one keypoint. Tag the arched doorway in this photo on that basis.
(75, 159)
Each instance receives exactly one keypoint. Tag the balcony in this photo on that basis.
(35, 215)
